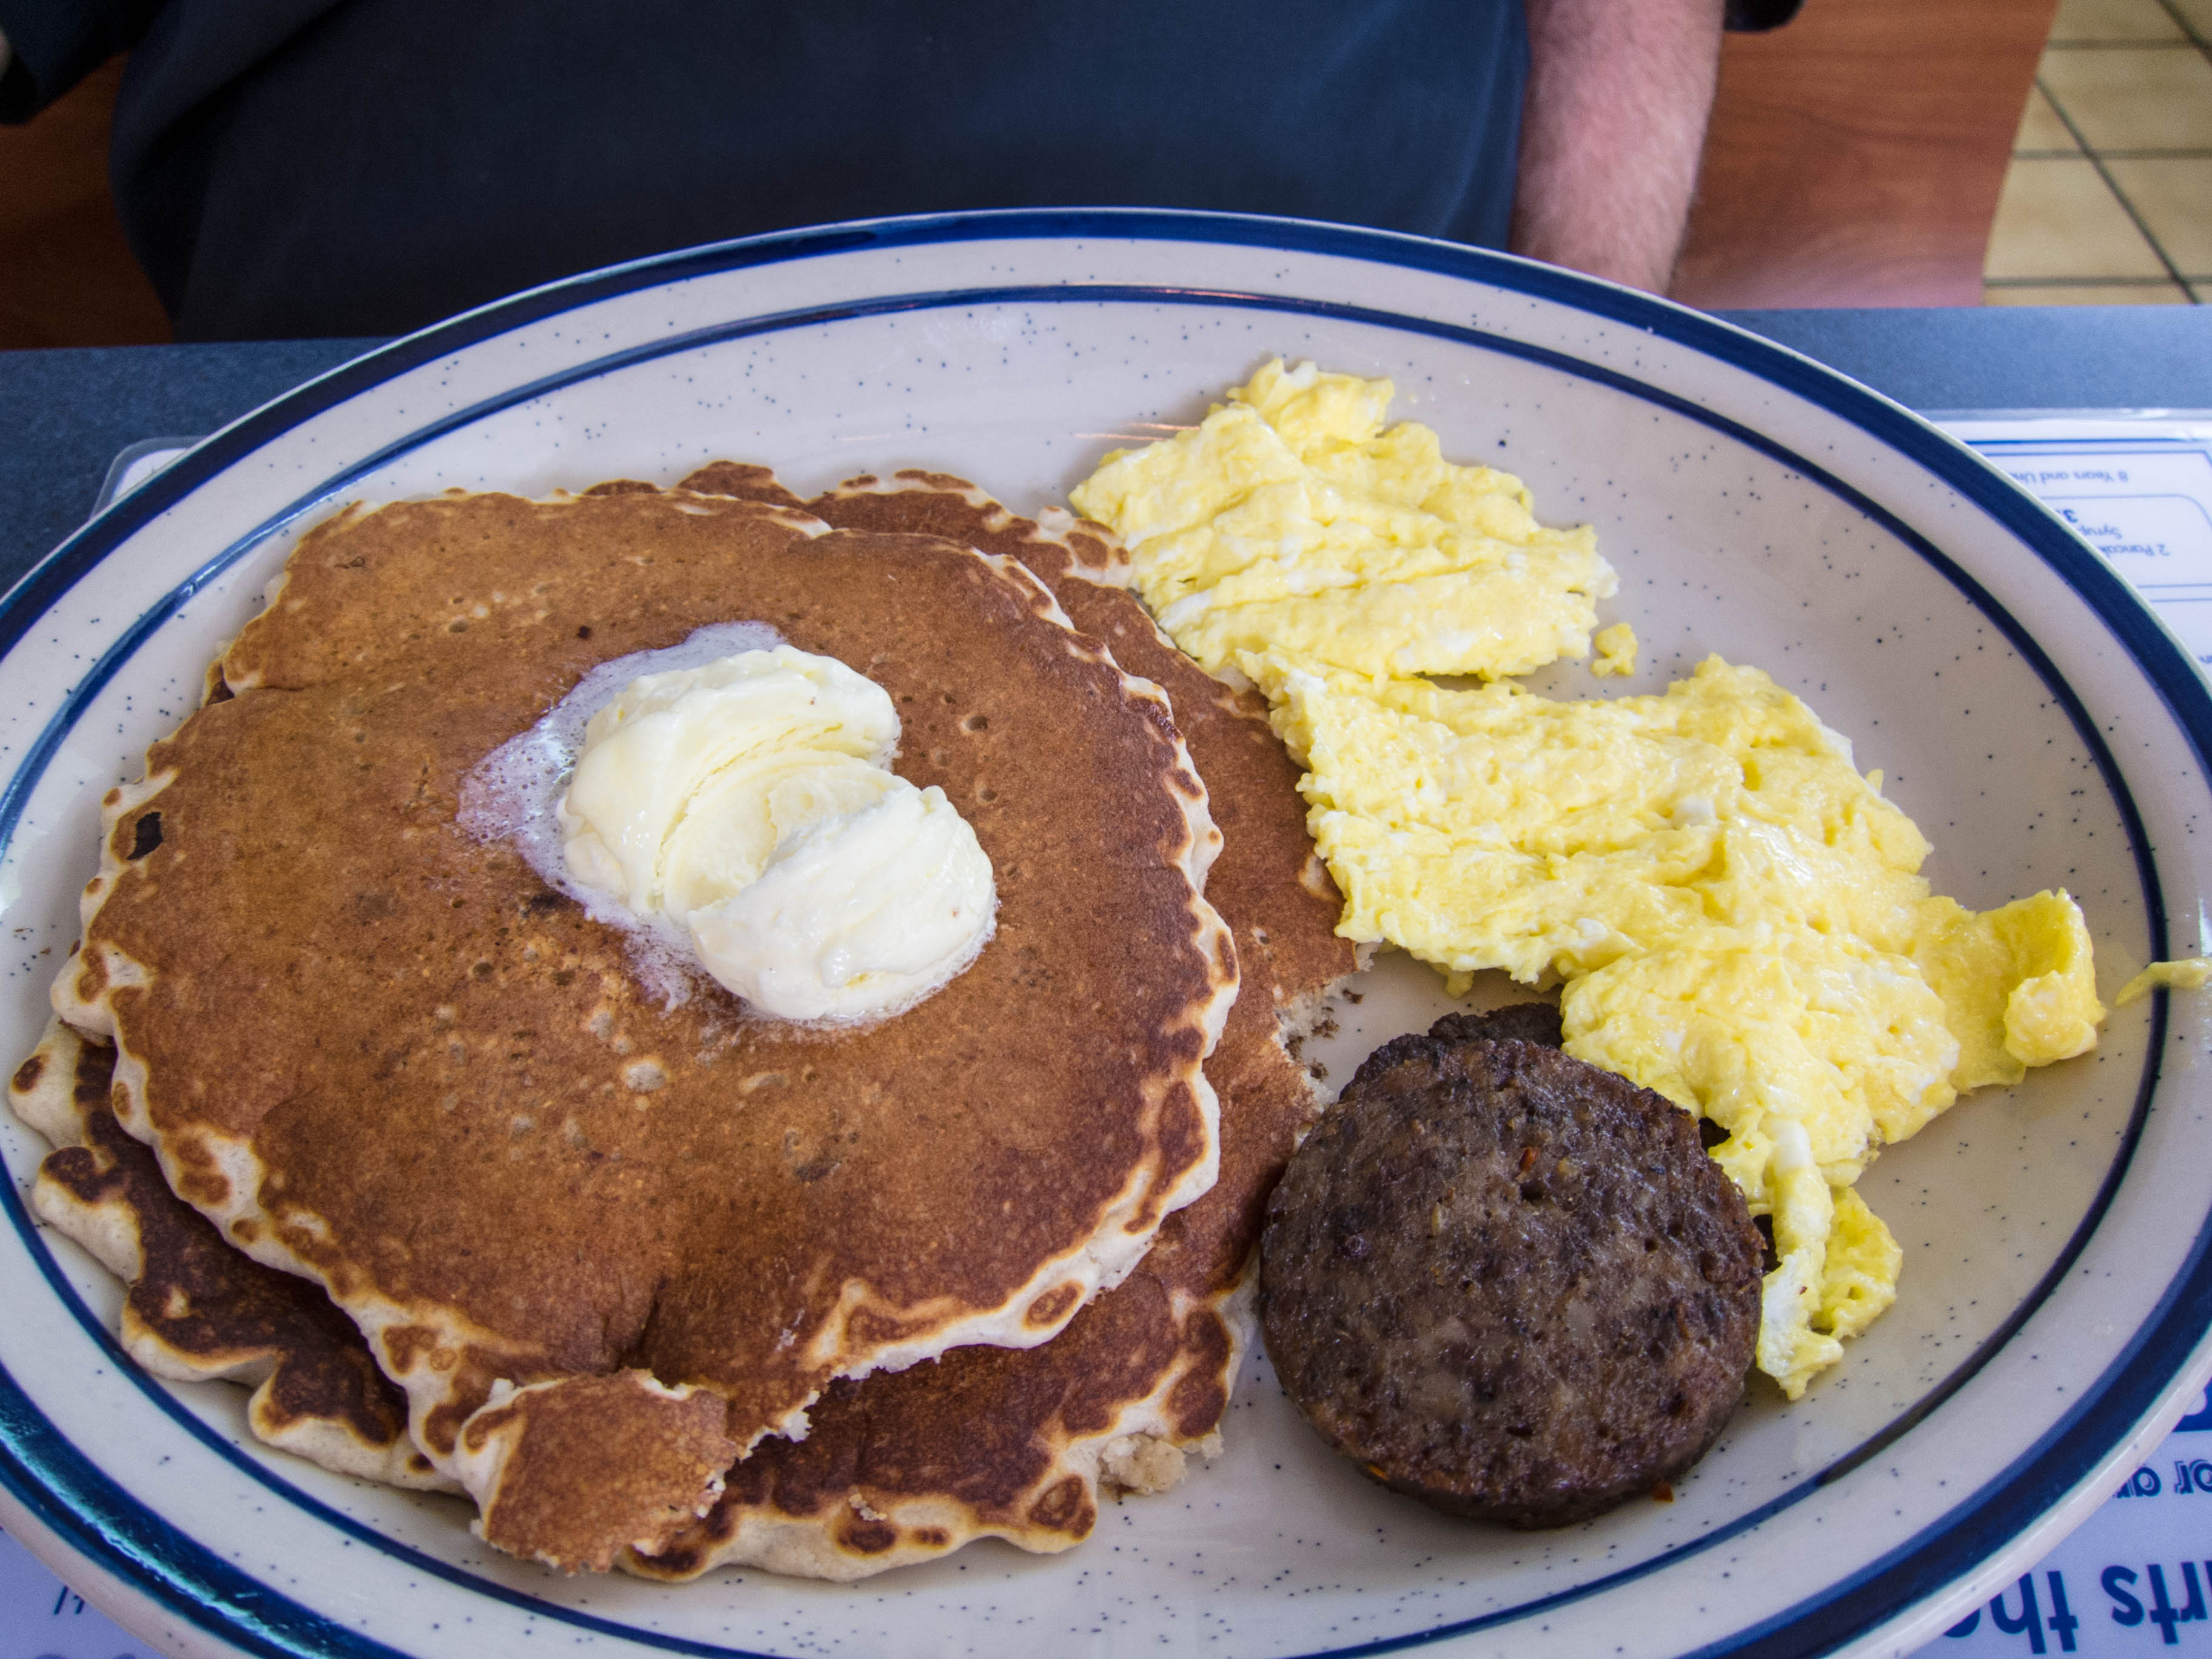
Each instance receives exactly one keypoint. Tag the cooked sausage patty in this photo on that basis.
(1508, 1283)
(1526, 1022)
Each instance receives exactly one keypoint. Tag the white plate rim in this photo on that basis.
(64, 1494)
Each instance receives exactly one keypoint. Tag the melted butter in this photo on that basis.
(748, 802)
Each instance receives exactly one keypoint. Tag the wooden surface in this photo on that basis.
(66, 275)
(1855, 155)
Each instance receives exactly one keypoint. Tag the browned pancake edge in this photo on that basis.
(193, 1309)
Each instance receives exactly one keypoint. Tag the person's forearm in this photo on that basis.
(1612, 126)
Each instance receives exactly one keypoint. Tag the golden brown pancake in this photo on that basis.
(196, 1309)
(1010, 1442)
(1016, 1444)
(378, 1051)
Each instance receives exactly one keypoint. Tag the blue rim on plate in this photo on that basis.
(98, 1519)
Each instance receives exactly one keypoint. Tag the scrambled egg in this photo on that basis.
(1616, 651)
(1292, 519)
(2193, 974)
(1734, 914)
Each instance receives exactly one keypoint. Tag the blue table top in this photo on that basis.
(64, 414)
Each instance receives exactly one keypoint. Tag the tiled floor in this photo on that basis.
(2109, 198)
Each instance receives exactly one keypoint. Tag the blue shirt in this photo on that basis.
(305, 167)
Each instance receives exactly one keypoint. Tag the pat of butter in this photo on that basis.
(750, 802)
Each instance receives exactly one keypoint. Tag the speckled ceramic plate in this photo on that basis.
(2025, 708)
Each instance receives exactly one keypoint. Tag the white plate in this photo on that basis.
(2027, 710)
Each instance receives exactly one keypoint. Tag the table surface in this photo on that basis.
(64, 414)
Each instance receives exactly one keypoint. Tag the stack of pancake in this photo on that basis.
(657, 1282)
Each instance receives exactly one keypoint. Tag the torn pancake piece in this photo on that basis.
(410, 1070)
(562, 1469)
(194, 1309)
(1025, 1445)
